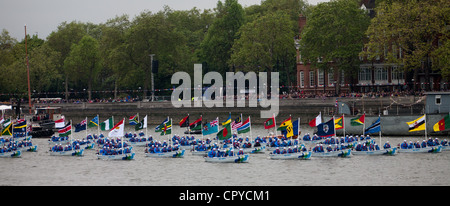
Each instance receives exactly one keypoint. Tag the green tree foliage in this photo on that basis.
(83, 63)
(215, 49)
(334, 35)
(416, 28)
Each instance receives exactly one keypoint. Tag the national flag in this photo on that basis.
(245, 127)
(133, 120)
(142, 124)
(269, 123)
(185, 122)
(93, 122)
(375, 127)
(160, 127)
(81, 126)
(285, 124)
(197, 125)
(443, 124)
(296, 127)
(417, 125)
(236, 123)
(326, 129)
(107, 124)
(60, 123)
(358, 120)
(316, 121)
(118, 129)
(167, 129)
(2, 120)
(65, 131)
(339, 123)
(228, 121)
(225, 133)
(7, 127)
(212, 127)
(21, 126)
(286, 128)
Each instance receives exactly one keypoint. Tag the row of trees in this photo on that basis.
(79, 58)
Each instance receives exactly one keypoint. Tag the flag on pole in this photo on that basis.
(225, 133)
(93, 122)
(316, 121)
(245, 127)
(339, 123)
(133, 120)
(185, 122)
(296, 127)
(269, 123)
(197, 125)
(81, 126)
(443, 124)
(65, 131)
(417, 124)
(236, 123)
(160, 127)
(212, 127)
(107, 125)
(286, 128)
(60, 123)
(20, 126)
(358, 120)
(167, 129)
(118, 129)
(142, 124)
(374, 128)
(7, 127)
(228, 121)
(326, 129)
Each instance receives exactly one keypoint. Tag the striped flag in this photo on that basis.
(236, 123)
(417, 124)
(133, 120)
(65, 131)
(374, 128)
(245, 127)
(60, 123)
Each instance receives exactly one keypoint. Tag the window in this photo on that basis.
(365, 74)
(311, 79)
(381, 73)
(320, 78)
(331, 77)
(397, 75)
(438, 99)
(302, 79)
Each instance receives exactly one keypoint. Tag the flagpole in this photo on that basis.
(298, 130)
(201, 124)
(98, 126)
(275, 121)
(250, 122)
(379, 132)
(86, 127)
(364, 124)
(145, 126)
(343, 123)
(189, 127)
(242, 135)
(334, 127)
(426, 126)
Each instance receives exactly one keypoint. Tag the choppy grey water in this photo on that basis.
(39, 168)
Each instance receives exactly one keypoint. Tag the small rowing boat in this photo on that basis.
(432, 149)
(68, 153)
(339, 153)
(172, 154)
(228, 159)
(389, 151)
(16, 153)
(126, 156)
(291, 156)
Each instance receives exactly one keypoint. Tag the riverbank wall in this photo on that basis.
(395, 112)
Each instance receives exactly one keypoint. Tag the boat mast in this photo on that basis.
(28, 72)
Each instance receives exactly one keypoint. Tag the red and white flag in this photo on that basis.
(117, 130)
(316, 121)
(60, 123)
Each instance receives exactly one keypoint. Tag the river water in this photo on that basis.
(39, 168)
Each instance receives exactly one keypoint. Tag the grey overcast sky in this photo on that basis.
(43, 16)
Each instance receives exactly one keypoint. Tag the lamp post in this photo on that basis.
(153, 82)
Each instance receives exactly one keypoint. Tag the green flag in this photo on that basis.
(107, 125)
(225, 133)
